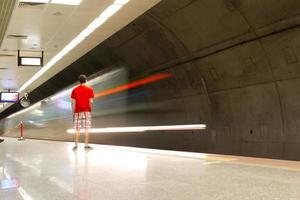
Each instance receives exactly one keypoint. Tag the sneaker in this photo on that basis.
(75, 148)
(88, 147)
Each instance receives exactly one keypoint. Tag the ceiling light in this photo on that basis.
(35, 1)
(31, 61)
(96, 23)
(75, 42)
(111, 10)
(30, 58)
(86, 32)
(122, 2)
(67, 2)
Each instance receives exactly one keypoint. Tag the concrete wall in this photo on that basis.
(236, 67)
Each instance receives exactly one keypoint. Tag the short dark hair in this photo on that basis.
(82, 78)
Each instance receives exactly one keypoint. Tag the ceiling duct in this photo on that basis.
(30, 5)
(17, 36)
(7, 55)
(6, 9)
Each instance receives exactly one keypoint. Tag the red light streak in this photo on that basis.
(134, 84)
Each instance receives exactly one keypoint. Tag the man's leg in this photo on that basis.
(87, 125)
(86, 139)
(77, 130)
(77, 136)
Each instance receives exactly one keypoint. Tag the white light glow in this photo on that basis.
(162, 152)
(31, 61)
(111, 159)
(25, 110)
(67, 2)
(86, 32)
(75, 42)
(122, 2)
(125, 160)
(61, 184)
(35, 1)
(38, 112)
(69, 47)
(96, 23)
(22, 192)
(62, 94)
(143, 128)
(111, 10)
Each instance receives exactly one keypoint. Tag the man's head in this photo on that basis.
(82, 78)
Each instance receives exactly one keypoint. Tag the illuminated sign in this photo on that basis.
(9, 97)
(30, 58)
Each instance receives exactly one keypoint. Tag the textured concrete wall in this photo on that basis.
(236, 67)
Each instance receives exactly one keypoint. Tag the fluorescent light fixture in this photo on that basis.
(68, 48)
(122, 2)
(75, 42)
(111, 10)
(31, 61)
(67, 2)
(35, 1)
(143, 128)
(96, 23)
(86, 32)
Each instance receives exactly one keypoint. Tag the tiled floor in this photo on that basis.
(46, 170)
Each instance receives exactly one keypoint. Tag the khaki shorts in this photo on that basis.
(82, 120)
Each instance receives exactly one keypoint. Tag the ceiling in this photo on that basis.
(50, 27)
(6, 8)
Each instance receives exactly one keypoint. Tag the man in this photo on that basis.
(82, 104)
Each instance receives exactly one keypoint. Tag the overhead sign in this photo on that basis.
(30, 58)
(10, 97)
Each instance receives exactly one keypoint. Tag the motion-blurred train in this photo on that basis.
(117, 103)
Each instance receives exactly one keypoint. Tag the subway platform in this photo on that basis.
(48, 170)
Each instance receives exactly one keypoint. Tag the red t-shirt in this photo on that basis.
(82, 95)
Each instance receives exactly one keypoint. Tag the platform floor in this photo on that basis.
(47, 170)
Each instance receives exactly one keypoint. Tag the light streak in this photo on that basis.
(143, 128)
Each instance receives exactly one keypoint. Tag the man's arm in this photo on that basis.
(91, 103)
(73, 105)
(91, 98)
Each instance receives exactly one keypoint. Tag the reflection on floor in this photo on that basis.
(47, 170)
